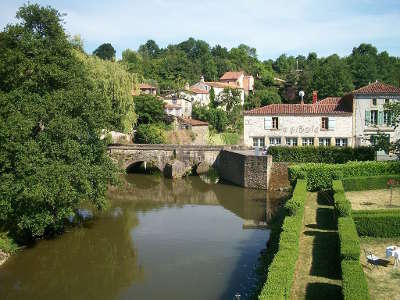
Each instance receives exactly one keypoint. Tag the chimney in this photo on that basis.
(201, 78)
(314, 97)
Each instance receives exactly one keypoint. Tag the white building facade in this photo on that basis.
(352, 120)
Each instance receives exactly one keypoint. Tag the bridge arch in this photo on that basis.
(132, 164)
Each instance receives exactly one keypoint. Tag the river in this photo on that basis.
(160, 239)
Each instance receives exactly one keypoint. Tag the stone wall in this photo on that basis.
(279, 179)
(245, 169)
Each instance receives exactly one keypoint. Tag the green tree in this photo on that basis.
(150, 134)
(261, 98)
(230, 98)
(149, 109)
(363, 64)
(51, 156)
(149, 49)
(105, 51)
(132, 61)
(213, 103)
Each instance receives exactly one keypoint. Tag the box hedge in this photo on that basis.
(320, 176)
(281, 271)
(342, 204)
(349, 240)
(311, 154)
(378, 223)
(354, 283)
(368, 183)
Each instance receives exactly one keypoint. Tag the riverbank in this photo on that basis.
(7, 247)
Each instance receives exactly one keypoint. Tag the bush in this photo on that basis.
(378, 223)
(311, 154)
(368, 183)
(320, 176)
(354, 283)
(150, 134)
(281, 271)
(342, 204)
(349, 241)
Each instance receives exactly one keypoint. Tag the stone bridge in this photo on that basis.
(160, 155)
(233, 163)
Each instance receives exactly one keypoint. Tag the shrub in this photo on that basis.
(368, 183)
(320, 176)
(378, 223)
(281, 271)
(342, 204)
(150, 134)
(311, 154)
(349, 241)
(354, 283)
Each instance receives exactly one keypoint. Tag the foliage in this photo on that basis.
(349, 241)
(378, 223)
(149, 109)
(216, 117)
(394, 111)
(229, 98)
(261, 98)
(319, 176)
(354, 282)
(150, 134)
(105, 51)
(311, 154)
(51, 115)
(115, 84)
(368, 183)
(342, 204)
(281, 271)
(230, 138)
(7, 244)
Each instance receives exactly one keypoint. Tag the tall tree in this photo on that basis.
(149, 109)
(51, 156)
(105, 51)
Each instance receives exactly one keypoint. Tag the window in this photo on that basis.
(374, 117)
(274, 141)
(291, 141)
(386, 118)
(307, 141)
(387, 101)
(275, 122)
(341, 142)
(374, 102)
(258, 142)
(173, 101)
(325, 123)
(325, 141)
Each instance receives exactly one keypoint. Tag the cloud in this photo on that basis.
(273, 27)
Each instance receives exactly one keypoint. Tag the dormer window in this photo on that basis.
(374, 102)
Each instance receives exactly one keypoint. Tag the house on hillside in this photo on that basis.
(149, 89)
(240, 79)
(352, 120)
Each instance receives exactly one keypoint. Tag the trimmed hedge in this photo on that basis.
(281, 271)
(342, 204)
(349, 240)
(368, 183)
(311, 154)
(378, 223)
(354, 283)
(320, 176)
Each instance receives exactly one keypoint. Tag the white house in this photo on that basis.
(351, 120)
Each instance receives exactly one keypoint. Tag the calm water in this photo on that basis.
(161, 239)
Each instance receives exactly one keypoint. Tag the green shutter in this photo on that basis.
(367, 117)
(380, 117)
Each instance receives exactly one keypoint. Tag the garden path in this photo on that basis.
(318, 269)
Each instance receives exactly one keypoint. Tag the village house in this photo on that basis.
(352, 120)
(246, 82)
(146, 88)
(197, 127)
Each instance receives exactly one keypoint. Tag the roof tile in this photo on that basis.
(377, 88)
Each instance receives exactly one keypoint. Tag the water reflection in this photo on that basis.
(161, 239)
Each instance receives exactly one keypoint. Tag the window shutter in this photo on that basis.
(367, 117)
(267, 123)
(331, 123)
(380, 117)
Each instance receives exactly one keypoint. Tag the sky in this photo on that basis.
(272, 27)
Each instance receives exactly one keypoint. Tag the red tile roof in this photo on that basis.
(329, 100)
(328, 106)
(232, 75)
(222, 85)
(146, 86)
(197, 90)
(377, 88)
(194, 122)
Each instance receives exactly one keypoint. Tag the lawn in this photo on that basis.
(374, 199)
(383, 282)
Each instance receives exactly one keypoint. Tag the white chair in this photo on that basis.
(372, 259)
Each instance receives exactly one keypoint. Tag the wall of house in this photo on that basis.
(297, 126)
(363, 132)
